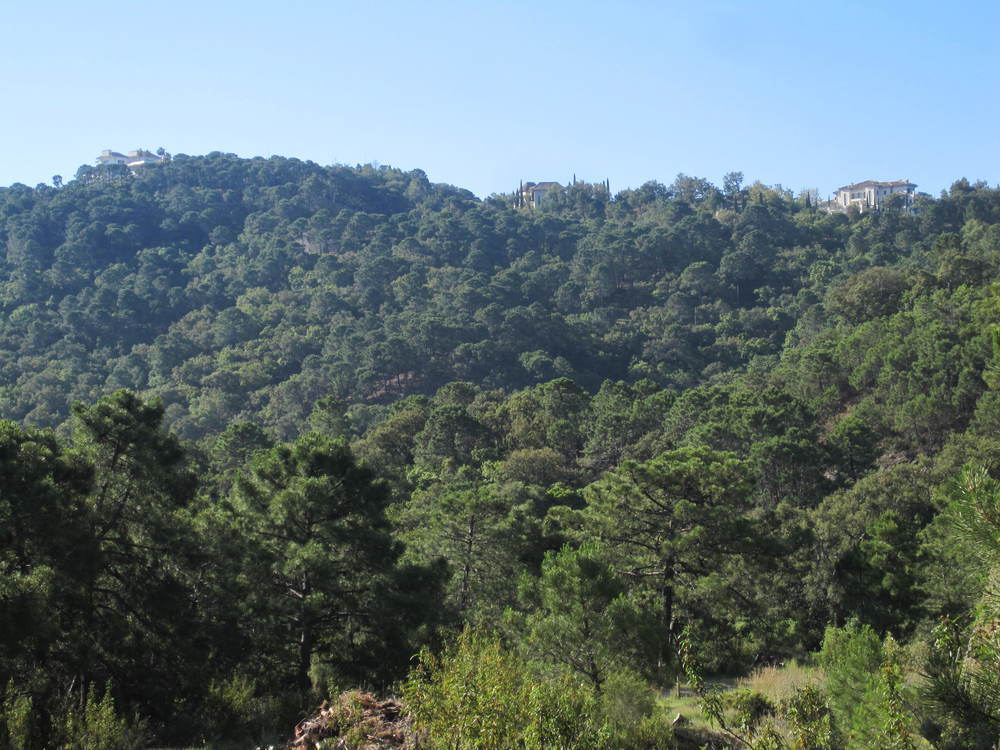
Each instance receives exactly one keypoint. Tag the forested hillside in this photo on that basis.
(274, 427)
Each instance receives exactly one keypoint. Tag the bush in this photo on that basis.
(477, 695)
(751, 708)
(864, 682)
(563, 714)
(15, 719)
(235, 710)
(809, 721)
(851, 657)
(469, 698)
(96, 726)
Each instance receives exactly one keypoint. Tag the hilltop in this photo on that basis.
(309, 420)
(249, 289)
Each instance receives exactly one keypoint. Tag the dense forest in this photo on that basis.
(275, 430)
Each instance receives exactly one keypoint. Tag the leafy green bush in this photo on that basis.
(563, 714)
(809, 721)
(477, 695)
(470, 697)
(15, 719)
(631, 714)
(97, 726)
(751, 709)
(235, 710)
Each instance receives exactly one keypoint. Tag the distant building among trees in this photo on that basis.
(533, 193)
(138, 158)
(871, 195)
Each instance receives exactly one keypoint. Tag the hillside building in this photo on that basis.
(133, 159)
(111, 157)
(533, 193)
(871, 195)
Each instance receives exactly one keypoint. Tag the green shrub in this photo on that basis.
(631, 714)
(233, 710)
(750, 708)
(471, 697)
(809, 721)
(563, 714)
(96, 726)
(15, 719)
(851, 657)
(477, 695)
(864, 682)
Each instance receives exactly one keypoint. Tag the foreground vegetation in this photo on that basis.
(274, 428)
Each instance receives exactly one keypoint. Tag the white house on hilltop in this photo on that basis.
(871, 195)
(138, 158)
(533, 193)
(111, 157)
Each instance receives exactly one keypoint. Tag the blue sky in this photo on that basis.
(484, 94)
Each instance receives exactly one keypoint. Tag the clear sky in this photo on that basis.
(484, 94)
